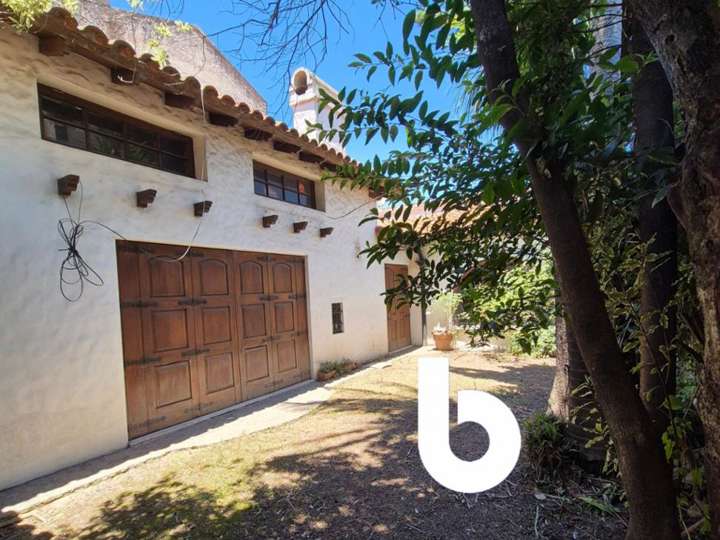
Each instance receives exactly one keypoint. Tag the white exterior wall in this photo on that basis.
(62, 392)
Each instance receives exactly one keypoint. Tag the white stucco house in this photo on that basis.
(238, 271)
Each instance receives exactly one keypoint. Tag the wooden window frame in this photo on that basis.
(338, 318)
(260, 176)
(123, 139)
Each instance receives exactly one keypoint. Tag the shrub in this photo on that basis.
(541, 343)
(545, 445)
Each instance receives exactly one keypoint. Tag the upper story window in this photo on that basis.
(71, 121)
(282, 186)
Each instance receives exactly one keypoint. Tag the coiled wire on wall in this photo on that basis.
(75, 272)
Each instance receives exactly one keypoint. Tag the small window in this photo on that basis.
(337, 318)
(71, 121)
(283, 187)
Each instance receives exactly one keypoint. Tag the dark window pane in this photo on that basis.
(105, 124)
(142, 155)
(142, 136)
(291, 196)
(178, 147)
(337, 318)
(305, 186)
(275, 192)
(97, 129)
(174, 164)
(260, 188)
(62, 133)
(104, 145)
(274, 179)
(62, 111)
(305, 200)
(291, 183)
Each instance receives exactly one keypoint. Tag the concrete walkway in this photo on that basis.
(256, 415)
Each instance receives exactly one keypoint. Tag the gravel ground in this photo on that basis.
(349, 469)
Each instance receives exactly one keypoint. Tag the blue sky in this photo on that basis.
(367, 34)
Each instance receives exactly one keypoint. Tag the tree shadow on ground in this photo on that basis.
(358, 478)
(14, 527)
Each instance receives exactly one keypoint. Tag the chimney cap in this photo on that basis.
(305, 81)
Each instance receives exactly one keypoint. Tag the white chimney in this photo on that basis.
(305, 103)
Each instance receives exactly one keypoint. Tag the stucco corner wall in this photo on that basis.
(62, 387)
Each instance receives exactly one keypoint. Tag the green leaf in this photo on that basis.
(408, 24)
(627, 64)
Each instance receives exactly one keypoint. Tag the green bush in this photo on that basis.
(545, 445)
(541, 343)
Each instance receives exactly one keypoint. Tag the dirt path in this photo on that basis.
(349, 469)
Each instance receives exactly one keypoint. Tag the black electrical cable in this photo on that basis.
(74, 270)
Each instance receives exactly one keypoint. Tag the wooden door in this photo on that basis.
(168, 323)
(210, 330)
(398, 314)
(128, 261)
(217, 363)
(254, 323)
(288, 321)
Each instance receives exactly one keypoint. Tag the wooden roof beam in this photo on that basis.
(256, 134)
(52, 45)
(309, 157)
(179, 101)
(220, 119)
(288, 148)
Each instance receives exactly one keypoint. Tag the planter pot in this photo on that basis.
(443, 342)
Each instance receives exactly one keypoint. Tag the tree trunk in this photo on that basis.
(646, 475)
(559, 400)
(653, 117)
(571, 406)
(686, 36)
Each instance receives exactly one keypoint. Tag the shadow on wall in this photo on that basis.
(362, 479)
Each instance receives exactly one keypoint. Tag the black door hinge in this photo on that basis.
(138, 304)
(143, 361)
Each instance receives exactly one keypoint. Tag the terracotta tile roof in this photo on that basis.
(59, 34)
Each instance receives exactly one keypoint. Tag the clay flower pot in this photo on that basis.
(443, 341)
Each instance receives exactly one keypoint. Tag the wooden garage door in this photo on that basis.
(211, 330)
(398, 315)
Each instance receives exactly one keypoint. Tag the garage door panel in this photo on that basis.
(252, 278)
(167, 278)
(284, 317)
(214, 278)
(254, 321)
(216, 325)
(170, 329)
(257, 362)
(219, 372)
(287, 358)
(217, 359)
(282, 278)
(173, 383)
